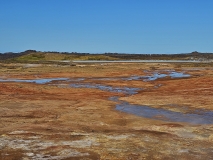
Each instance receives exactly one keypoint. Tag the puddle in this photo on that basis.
(178, 75)
(125, 90)
(154, 76)
(38, 81)
(171, 74)
(197, 117)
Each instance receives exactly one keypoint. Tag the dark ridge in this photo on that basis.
(122, 56)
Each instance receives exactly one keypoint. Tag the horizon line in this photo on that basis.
(68, 52)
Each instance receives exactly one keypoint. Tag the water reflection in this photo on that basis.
(196, 117)
(38, 81)
(125, 90)
(170, 74)
(152, 77)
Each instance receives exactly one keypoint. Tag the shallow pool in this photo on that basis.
(38, 81)
(197, 117)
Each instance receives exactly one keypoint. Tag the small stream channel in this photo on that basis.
(197, 117)
(38, 81)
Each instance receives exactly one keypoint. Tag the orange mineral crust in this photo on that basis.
(113, 111)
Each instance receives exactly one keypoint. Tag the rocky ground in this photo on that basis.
(56, 121)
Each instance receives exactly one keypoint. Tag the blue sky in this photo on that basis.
(97, 26)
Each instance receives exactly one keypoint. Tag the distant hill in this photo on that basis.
(35, 56)
(32, 55)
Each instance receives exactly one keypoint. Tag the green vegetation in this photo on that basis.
(46, 56)
(33, 56)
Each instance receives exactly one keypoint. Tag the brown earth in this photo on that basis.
(54, 121)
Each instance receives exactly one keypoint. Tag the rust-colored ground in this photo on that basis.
(41, 121)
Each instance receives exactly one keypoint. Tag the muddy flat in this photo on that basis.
(113, 111)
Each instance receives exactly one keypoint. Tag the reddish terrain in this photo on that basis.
(56, 121)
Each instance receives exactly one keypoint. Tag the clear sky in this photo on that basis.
(97, 26)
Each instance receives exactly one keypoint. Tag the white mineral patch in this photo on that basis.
(35, 146)
(79, 134)
(30, 154)
(81, 143)
(71, 153)
(118, 137)
(19, 132)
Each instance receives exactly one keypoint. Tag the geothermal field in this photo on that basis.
(107, 111)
